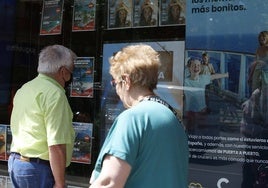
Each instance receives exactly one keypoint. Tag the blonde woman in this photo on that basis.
(146, 145)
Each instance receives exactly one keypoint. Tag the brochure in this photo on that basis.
(83, 142)
(119, 14)
(3, 133)
(83, 77)
(84, 15)
(51, 20)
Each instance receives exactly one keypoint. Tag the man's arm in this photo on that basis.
(114, 173)
(57, 158)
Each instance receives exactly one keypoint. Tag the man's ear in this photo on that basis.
(61, 71)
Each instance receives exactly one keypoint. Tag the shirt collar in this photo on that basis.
(43, 76)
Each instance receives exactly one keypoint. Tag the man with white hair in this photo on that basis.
(41, 124)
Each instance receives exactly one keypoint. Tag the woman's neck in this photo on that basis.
(140, 94)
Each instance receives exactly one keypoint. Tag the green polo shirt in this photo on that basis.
(41, 117)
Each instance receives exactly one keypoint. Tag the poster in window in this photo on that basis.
(51, 20)
(145, 13)
(8, 143)
(229, 136)
(3, 140)
(83, 142)
(119, 14)
(84, 15)
(83, 77)
(172, 12)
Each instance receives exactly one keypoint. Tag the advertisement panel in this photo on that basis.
(84, 15)
(172, 12)
(83, 77)
(145, 13)
(51, 20)
(3, 141)
(119, 14)
(227, 126)
(82, 143)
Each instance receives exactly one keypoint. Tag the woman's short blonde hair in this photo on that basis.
(140, 62)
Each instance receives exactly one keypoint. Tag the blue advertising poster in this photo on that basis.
(228, 142)
(231, 25)
(82, 143)
(51, 20)
(83, 77)
(84, 15)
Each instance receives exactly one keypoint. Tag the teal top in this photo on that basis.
(41, 117)
(151, 140)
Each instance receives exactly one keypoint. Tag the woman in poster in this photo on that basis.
(261, 52)
(147, 11)
(195, 101)
(174, 13)
(121, 16)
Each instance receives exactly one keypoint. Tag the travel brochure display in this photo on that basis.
(82, 145)
(228, 141)
(119, 14)
(83, 142)
(145, 13)
(84, 15)
(3, 141)
(83, 77)
(51, 20)
(172, 12)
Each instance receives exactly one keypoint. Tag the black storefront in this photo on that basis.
(220, 154)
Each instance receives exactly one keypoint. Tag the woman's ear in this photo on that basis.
(126, 81)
